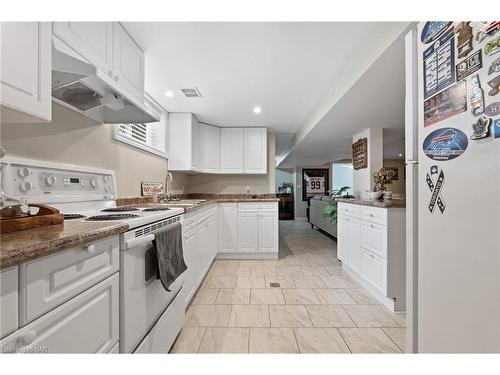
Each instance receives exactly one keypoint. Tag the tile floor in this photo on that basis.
(317, 308)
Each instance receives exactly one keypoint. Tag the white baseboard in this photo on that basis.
(245, 256)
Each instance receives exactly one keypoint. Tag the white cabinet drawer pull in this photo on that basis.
(27, 338)
(371, 215)
(90, 248)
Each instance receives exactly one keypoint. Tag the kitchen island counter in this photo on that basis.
(390, 203)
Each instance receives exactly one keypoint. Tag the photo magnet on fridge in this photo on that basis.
(496, 128)
(492, 47)
(493, 109)
(470, 65)
(481, 128)
(435, 182)
(464, 38)
(439, 65)
(476, 96)
(445, 144)
(446, 104)
(433, 29)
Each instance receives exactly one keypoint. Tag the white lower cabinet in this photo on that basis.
(371, 246)
(87, 323)
(9, 304)
(228, 227)
(268, 229)
(247, 231)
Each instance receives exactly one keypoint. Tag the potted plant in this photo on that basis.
(382, 178)
(285, 187)
(330, 209)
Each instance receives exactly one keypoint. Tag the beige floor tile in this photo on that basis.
(334, 297)
(251, 263)
(227, 262)
(249, 316)
(263, 271)
(289, 271)
(320, 270)
(324, 316)
(189, 340)
(266, 297)
(337, 281)
(233, 297)
(398, 335)
(300, 297)
(289, 316)
(225, 340)
(370, 316)
(220, 282)
(250, 282)
(237, 271)
(399, 317)
(207, 316)
(308, 282)
(284, 281)
(320, 340)
(205, 296)
(363, 297)
(272, 340)
(368, 340)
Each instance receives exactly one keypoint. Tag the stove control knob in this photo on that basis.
(93, 183)
(23, 172)
(25, 187)
(51, 180)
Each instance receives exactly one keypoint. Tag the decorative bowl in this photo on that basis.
(374, 195)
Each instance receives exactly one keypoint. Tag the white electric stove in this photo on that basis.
(150, 316)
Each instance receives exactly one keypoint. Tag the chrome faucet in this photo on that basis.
(166, 196)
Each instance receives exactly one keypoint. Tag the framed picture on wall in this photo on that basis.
(314, 182)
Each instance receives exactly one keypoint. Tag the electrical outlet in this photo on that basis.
(247, 189)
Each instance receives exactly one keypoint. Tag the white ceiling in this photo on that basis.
(286, 68)
(375, 100)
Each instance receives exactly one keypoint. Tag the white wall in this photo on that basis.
(236, 184)
(342, 175)
(363, 178)
(73, 138)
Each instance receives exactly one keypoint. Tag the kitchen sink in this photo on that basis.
(184, 202)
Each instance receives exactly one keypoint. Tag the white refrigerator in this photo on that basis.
(453, 187)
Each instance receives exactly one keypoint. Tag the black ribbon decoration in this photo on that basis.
(435, 187)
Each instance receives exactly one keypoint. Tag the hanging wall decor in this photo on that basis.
(360, 154)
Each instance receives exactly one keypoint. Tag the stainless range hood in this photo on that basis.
(82, 87)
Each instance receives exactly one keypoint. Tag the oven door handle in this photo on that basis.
(139, 241)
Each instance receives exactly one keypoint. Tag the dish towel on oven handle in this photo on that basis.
(170, 254)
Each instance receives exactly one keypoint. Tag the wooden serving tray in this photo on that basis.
(46, 216)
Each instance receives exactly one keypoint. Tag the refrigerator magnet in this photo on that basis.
(496, 128)
(481, 128)
(493, 109)
(470, 65)
(439, 65)
(446, 104)
(445, 144)
(464, 38)
(476, 96)
(435, 182)
(494, 67)
(433, 29)
(488, 29)
(495, 86)
(492, 47)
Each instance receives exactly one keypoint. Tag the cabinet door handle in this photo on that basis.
(371, 215)
(90, 249)
(27, 338)
(371, 226)
(110, 73)
(117, 78)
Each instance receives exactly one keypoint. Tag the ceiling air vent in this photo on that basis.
(191, 93)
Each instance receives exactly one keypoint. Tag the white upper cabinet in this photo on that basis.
(255, 150)
(25, 73)
(183, 130)
(231, 150)
(92, 40)
(209, 144)
(128, 62)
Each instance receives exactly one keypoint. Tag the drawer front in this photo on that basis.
(53, 280)
(348, 209)
(206, 212)
(374, 215)
(189, 220)
(258, 206)
(374, 270)
(86, 324)
(9, 301)
(374, 238)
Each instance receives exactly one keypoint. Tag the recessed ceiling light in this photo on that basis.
(257, 110)
(169, 94)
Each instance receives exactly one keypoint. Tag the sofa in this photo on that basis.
(316, 218)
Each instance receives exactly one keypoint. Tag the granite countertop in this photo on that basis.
(390, 203)
(22, 246)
